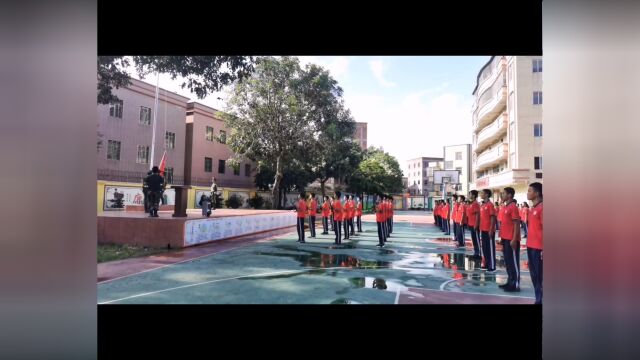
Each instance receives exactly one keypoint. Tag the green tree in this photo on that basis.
(378, 172)
(269, 117)
(203, 74)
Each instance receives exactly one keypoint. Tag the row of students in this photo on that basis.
(384, 218)
(483, 219)
(341, 215)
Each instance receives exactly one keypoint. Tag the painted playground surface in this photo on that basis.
(418, 266)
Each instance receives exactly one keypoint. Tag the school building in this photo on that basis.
(507, 124)
(186, 133)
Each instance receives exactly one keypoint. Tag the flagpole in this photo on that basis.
(155, 112)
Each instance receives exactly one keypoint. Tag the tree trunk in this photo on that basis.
(275, 192)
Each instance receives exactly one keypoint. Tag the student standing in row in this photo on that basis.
(378, 208)
(498, 205)
(390, 214)
(313, 208)
(454, 212)
(346, 213)
(534, 242)
(510, 236)
(524, 216)
(359, 215)
(488, 230)
(352, 215)
(301, 208)
(473, 223)
(326, 212)
(337, 217)
(445, 218)
(460, 219)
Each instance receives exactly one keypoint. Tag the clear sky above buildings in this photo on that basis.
(414, 105)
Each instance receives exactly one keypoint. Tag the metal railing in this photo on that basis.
(133, 176)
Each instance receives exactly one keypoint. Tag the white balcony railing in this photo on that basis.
(491, 132)
(492, 155)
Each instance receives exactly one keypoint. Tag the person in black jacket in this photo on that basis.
(156, 186)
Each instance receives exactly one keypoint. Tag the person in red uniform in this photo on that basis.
(460, 219)
(524, 216)
(378, 208)
(350, 212)
(498, 205)
(445, 217)
(487, 230)
(301, 209)
(390, 214)
(337, 217)
(387, 215)
(534, 241)
(510, 236)
(359, 214)
(313, 208)
(473, 223)
(326, 212)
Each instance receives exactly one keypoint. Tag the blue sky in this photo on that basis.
(414, 105)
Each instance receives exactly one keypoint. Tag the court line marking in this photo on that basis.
(187, 260)
(231, 278)
(397, 297)
(466, 292)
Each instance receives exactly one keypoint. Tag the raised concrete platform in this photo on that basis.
(137, 228)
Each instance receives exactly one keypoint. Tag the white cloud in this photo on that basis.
(338, 66)
(420, 124)
(378, 67)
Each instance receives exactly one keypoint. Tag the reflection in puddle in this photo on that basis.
(377, 283)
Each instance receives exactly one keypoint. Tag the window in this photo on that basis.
(236, 170)
(459, 169)
(168, 175)
(221, 166)
(143, 154)
(537, 130)
(113, 150)
(247, 170)
(538, 175)
(448, 165)
(145, 115)
(115, 109)
(208, 164)
(223, 136)
(537, 98)
(209, 133)
(459, 155)
(537, 162)
(537, 65)
(418, 182)
(169, 140)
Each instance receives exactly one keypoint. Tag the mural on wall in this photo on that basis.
(210, 229)
(117, 197)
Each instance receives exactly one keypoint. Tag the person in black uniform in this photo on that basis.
(145, 193)
(156, 186)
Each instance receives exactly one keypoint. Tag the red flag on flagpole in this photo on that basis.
(163, 162)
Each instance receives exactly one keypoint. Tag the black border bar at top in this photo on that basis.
(268, 28)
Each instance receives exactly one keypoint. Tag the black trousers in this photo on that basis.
(385, 228)
(535, 270)
(332, 222)
(337, 228)
(145, 201)
(359, 223)
(460, 234)
(301, 229)
(391, 224)
(154, 201)
(312, 225)
(325, 225)
(475, 239)
(488, 250)
(512, 260)
(346, 228)
(446, 227)
(381, 237)
(353, 232)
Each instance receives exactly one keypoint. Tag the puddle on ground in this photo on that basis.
(317, 259)
(344, 301)
(377, 283)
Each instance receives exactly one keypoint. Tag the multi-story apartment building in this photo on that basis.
(507, 124)
(361, 134)
(458, 157)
